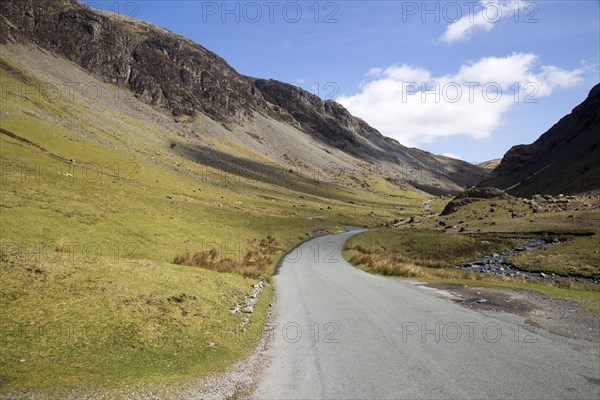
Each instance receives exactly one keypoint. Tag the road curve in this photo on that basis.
(339, 332)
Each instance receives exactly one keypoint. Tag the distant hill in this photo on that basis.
(565, 159)
(490, 165)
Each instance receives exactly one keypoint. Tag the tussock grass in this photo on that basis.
(564, 284)
(364, 252)
(255, 262)
(397, 257)
(391, 264)
(61, 245)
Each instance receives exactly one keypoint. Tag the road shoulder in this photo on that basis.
(561, 316)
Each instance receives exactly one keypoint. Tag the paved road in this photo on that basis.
(377, 339)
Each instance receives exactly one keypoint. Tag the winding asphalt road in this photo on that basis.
(339, 332)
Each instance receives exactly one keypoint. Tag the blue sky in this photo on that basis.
(376, 57)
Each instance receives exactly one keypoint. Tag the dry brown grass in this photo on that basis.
(564, 284)
(428, 259)
(254, 264)
(61, 245)
(394, 264)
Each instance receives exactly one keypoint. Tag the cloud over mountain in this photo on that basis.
(413, 106)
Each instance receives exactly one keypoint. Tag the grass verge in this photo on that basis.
(424, 248)
(393, 259)
(579, 256)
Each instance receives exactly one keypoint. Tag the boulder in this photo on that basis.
(472, 195)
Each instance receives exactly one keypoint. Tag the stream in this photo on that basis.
(496, 264)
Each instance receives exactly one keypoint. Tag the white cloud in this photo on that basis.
(483, 17)
(472, 102)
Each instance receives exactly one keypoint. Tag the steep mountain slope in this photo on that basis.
(331, 124)
(195, 85)
(566, 159)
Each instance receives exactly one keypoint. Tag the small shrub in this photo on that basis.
(61, 245)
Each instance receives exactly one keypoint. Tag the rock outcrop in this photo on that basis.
(160, 67)
(472, 195)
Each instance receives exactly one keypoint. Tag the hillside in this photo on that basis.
(105, 185)
(490, 165)
(194, 85)
(565, 159)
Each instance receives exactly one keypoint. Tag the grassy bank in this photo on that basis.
(426, 248)
(409, 254)
(578, 257)
(70, 322)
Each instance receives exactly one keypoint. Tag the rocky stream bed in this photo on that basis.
(496, 264)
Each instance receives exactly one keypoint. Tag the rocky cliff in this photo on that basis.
(160, 67)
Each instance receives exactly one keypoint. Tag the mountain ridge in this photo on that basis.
(167, 70)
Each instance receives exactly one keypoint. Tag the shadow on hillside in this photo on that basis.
(223, 169)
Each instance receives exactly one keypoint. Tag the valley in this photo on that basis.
(160, 213)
